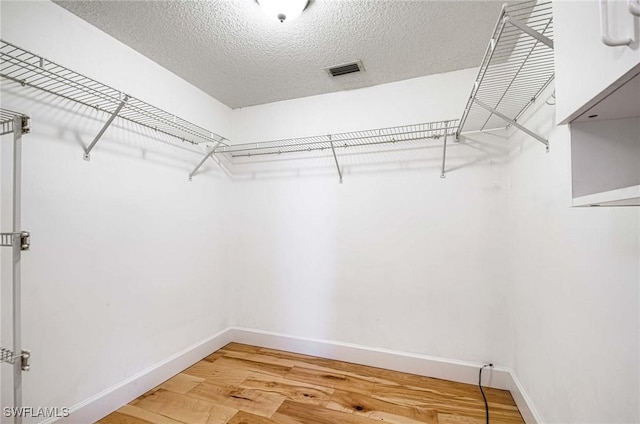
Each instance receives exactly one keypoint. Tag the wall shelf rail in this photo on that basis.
(518, 65)
(31, 70)
(18, 240)
(335, 143)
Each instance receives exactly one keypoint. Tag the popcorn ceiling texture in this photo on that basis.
(235, 53)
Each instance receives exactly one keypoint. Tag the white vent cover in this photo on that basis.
(345, 68)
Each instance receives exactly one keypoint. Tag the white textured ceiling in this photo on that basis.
(232, 51)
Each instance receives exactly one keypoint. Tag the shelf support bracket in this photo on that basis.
(204, 159)
(514, 123)
(87, 151)
(528, 30)
(444, 148)
(335, 158)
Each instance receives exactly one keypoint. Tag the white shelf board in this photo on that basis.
(622, 103)
(628, 196)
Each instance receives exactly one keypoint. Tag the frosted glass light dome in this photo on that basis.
(283, 9)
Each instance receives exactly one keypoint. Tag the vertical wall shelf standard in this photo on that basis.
(517, 66)
(18, 240)
(31, 70)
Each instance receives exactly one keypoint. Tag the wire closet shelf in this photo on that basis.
(7, 120)
(31, 70)
(518, 65)
(401, 135)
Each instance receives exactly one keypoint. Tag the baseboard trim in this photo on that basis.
(430, 366)
(528, 411)
(107, 401)
(114, 397)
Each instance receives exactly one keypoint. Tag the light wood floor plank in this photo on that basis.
(143, 414)
(180, 407)
(220, 414)
(220, 375)
(119, 418)
(300, 413)
(335, 380)
(366, 406)
(247, 418)
(458, 419)
(292, 390)
(255, 366)
(181, 383)
(253, 401)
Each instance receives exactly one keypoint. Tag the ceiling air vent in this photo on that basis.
(346, 68)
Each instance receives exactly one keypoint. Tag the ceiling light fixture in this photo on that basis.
(283, 9)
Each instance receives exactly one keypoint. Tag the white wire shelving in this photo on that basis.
(518, 65)
(334, 143)
(8, 119)
(32, 70)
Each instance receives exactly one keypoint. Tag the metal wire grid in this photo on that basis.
(515, 69)
(31, 70)
(6, 120)
(393, 135)
(6, 355)
(6, 239)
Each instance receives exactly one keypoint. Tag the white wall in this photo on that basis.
(126, 266)
(575, 279)
(396, 258)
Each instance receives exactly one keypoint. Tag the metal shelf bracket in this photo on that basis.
(514, 123)
(528, 30)
(87, 151)
(26, 124)
(335, 158)
(204, 159)
(444, 148)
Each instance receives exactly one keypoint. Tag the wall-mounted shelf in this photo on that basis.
(628, 196)
(605, 148)
(335, 143)
(31, 70)
(518, 65)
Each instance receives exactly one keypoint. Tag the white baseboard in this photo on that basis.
(430, 366)
(114, 397)
(107, 401)
(523, 401)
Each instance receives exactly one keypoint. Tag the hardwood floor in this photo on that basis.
(242, 384)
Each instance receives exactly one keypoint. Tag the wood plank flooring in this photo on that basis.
(243, 384)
